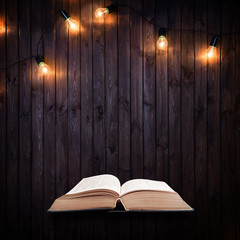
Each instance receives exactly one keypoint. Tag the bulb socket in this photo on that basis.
(111, 8)
(162, 32)
(64, 14)
(38, 59)
(214, 41)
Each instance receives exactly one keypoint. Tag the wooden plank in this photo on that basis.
(124, 89)
(3, 121)
(98, 91)
(161, 98)
(174, 97)
(62, 33)
(74, 105)
(162, 112)
(12, 121)
(25, 121)
(213, 120)
(149, 124)
(227, 122)
(99, 109)
(111, 89)
(37, 125)
(124, 92)
(187, 114)
(86, 89)
(111, 101)
(136, 92)
(74, 100)
(86, 106)
(174, 107)
(49, 118)
(136, 36)
(149, 92)
(201, 182)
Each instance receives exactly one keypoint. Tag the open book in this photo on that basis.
(104, 191)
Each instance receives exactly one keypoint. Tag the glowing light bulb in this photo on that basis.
(211, 51)
(102, 12)
(162, 42)
(73, 24)
(42, 65)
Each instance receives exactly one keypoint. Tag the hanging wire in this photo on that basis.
(50, 26)
(40, 41)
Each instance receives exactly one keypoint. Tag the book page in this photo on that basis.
(104, 181)
(144, 184)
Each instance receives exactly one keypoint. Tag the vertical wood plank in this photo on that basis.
(227, 122)
(86, 88)
(174, 96)
(111, 101)
(37, 125)
(149, 88)
(86, 106)
(161, 97)
(124, 109)
(201, 183)
(98, 109)
(187, 113)
(162, 111)
(74, 105)
(25, 121)
(74, 100)
(174, 108)
(49, 118)
(136, 107)
(3, 120)
(98, 91)
(111, 88)
(124, 92)
(12, 121)
(149, 91)
(213, 115)
(62, 41)
(136, 92)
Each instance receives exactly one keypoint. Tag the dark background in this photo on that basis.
(114, 104)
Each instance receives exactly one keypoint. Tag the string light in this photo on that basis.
(43, 66)
(162, 42)
(73, 24)
(211, 51)
(102, 12)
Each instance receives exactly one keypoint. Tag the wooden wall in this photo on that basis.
(114, 104)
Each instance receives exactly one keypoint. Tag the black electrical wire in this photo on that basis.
(49, 26)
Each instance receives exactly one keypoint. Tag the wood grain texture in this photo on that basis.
(37, 127)
(201, 172)
(114, 104)
(12, 121)
(25, 121)
(49, 120)
(174, 81)
(227, 122)
(99, 162)
(213, 120)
